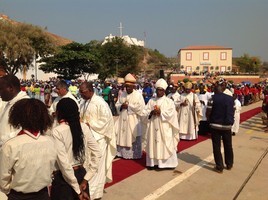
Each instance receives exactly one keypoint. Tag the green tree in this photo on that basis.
(20, 44)
(265, 66)
(72, 61)
(157, 58)
(248, 64)
(118, 59)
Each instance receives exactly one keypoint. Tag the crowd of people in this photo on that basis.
(79, 127)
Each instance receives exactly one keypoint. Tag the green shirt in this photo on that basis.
(37, 90)
(106, 91)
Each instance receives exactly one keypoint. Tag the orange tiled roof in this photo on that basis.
(205, 47)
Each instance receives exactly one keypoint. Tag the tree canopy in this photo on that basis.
(73, 60)
(112, 59)
(20, 43)
(118, 59)
(248, 64)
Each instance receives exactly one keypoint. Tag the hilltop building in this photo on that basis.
(205, 59)
(128, 40)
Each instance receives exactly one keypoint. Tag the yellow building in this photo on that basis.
(205, 58)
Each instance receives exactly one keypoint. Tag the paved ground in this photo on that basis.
(194, 177)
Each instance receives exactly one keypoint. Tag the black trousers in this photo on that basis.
(61, 190)
(226, 136)
(203, 128)
(40, 195)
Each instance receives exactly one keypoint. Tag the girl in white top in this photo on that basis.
(28, 159)
(78, 154)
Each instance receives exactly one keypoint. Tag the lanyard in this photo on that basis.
(85, 108)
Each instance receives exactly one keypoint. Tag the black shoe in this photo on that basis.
(150, 168)
(233, 134)
(216, 169)
(229, 167)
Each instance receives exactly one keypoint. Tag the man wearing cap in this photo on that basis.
(162, 130)
(128, 126)
(190, 114)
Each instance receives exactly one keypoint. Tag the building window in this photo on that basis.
(205, 56)
(211, 67)
(223, 56)
(188, 56)
(223, 68)
(188, 69)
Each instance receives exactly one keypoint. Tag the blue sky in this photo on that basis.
(169, 24)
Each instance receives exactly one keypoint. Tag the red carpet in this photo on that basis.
(246, 115)
(122, 169)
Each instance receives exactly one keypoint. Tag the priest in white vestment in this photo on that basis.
(96, 113)
(189, 114)
(128, 127)
(162, 130)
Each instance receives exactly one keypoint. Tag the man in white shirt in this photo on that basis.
(203, 97)
(175, 96)
(62, 89)
(96, 113)
(237, 107)
(10, 93)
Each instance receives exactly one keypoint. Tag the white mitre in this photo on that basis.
(161, 83)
